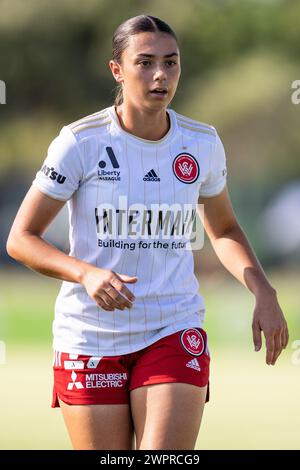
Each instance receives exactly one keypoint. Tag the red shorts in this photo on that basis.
(180, 357)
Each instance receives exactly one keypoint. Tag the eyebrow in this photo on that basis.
(151, 55)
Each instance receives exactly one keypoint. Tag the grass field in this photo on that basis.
(252, 405)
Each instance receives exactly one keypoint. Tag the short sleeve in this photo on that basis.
(216, 179)
(62, 170)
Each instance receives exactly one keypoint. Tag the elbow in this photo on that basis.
(12, 245)
(231, 228)
(229, 231)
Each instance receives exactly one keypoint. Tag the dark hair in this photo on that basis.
(135, 25)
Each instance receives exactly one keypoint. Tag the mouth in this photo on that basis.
(159, 91)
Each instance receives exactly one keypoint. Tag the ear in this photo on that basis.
(116, 70)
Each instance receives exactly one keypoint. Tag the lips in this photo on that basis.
(159, 91)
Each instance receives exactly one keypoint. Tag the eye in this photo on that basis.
(170, 63)
(145, 63)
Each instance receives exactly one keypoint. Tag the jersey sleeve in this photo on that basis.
(216, 180)
(62, 169)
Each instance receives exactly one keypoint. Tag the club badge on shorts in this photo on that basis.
(186, 168)
(193, 342)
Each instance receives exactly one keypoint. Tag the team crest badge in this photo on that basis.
(186, 168)
(193, 341)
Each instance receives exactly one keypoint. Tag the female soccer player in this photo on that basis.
(130, 353)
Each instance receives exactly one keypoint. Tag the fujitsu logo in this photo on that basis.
(52, 174)
(193, 341)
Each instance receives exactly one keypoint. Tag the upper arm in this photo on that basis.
(35, 213)
(219, 216)
(54, 184)
(215, 179)
(62, 169)
(213, 194)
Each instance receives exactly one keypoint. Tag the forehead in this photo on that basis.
(156, 43)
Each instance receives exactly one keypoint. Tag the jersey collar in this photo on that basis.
(138, 140)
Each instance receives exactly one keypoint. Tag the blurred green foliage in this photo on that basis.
(239, 59)
(26, 317)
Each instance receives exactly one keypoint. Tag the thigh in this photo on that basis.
(94, 398)
(167, 415)
(168, 389)
(98, 427)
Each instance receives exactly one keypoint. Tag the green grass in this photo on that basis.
(27, 419)
(252, 405)
(27, 304)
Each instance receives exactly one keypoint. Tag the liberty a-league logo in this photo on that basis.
(186, 168)
(193, 341)
(109, 175)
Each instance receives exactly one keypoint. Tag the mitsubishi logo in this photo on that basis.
(77, 385)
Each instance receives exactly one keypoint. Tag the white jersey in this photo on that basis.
(123, 196)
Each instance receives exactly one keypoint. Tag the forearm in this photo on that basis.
(37, 254)
(237, 256)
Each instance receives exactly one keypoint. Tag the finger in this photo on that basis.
(270, 346)
(126, 278)
(278, 347)
(108, 299)
(127, 293)
(286, 336)
(116, 299)
(119, 281)
(256, 332)
(111, 297)
(282, 338)
(103, 304)
(117, 293)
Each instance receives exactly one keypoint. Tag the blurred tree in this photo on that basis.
(239, 59)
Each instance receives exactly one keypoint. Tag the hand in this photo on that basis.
(107, 288)
(268, 317)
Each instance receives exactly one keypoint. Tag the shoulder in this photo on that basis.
(197, 129)
(73, 137)
(90, 125)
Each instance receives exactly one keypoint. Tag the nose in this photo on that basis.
(159, 74)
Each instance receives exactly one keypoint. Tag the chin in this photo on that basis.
(156, 105)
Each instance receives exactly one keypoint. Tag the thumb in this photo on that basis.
(126, 278)
(256, 331)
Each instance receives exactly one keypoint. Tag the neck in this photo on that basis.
(150, 125)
